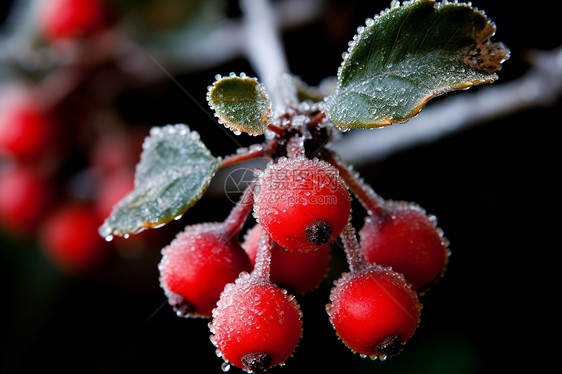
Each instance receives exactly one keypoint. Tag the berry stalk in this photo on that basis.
(295, 147)
(243, 156)
(352, 248)
(366, 195)
(235, 221)
(262, 269)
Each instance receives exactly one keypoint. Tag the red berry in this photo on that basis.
(62, 19)
(256, 325)
(302, 204)
(26, 128)
(374, 311)
(197, 265)
(70, 239)
(405, 238)
(296, 271)
(25, 198)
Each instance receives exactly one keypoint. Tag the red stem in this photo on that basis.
(352, 248)
(314, 121)
(235, 221)
(368, 198)
(276, 129)
(241, 157)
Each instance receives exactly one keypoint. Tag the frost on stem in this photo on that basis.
(366, 195)
(238, 215)
(262, 269)
(352, 248)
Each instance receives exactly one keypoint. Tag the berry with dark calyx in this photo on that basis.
(302, 204)
(374, 311)
(296, 271)
(256, 325)
(197, 265)
(405, 238)
(69, 238)
(67, 19)
(202, 259)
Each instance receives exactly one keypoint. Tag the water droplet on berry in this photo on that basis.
(225, 366)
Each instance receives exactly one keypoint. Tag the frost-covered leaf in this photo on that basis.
(174, 171)
(409, 54)
(240, 103)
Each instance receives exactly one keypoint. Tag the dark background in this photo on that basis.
(493, 189)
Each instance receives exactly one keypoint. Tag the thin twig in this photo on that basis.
(241, 157)
(264, 49)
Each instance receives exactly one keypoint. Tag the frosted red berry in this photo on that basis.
(374, 311)
(302, 204)
(69, 238)
(197, 265)
(63, 19)
(296, 271)
(256, 324)
(405, 238)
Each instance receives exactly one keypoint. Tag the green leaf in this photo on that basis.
(174, 171)
(409, 54)
(240, 103)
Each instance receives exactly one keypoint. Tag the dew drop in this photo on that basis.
(225, 366)
(109, 238)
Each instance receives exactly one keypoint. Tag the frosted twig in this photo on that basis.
(264, 49)
(541, 85)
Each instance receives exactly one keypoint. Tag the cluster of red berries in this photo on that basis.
(248, 284)
(56, 183)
